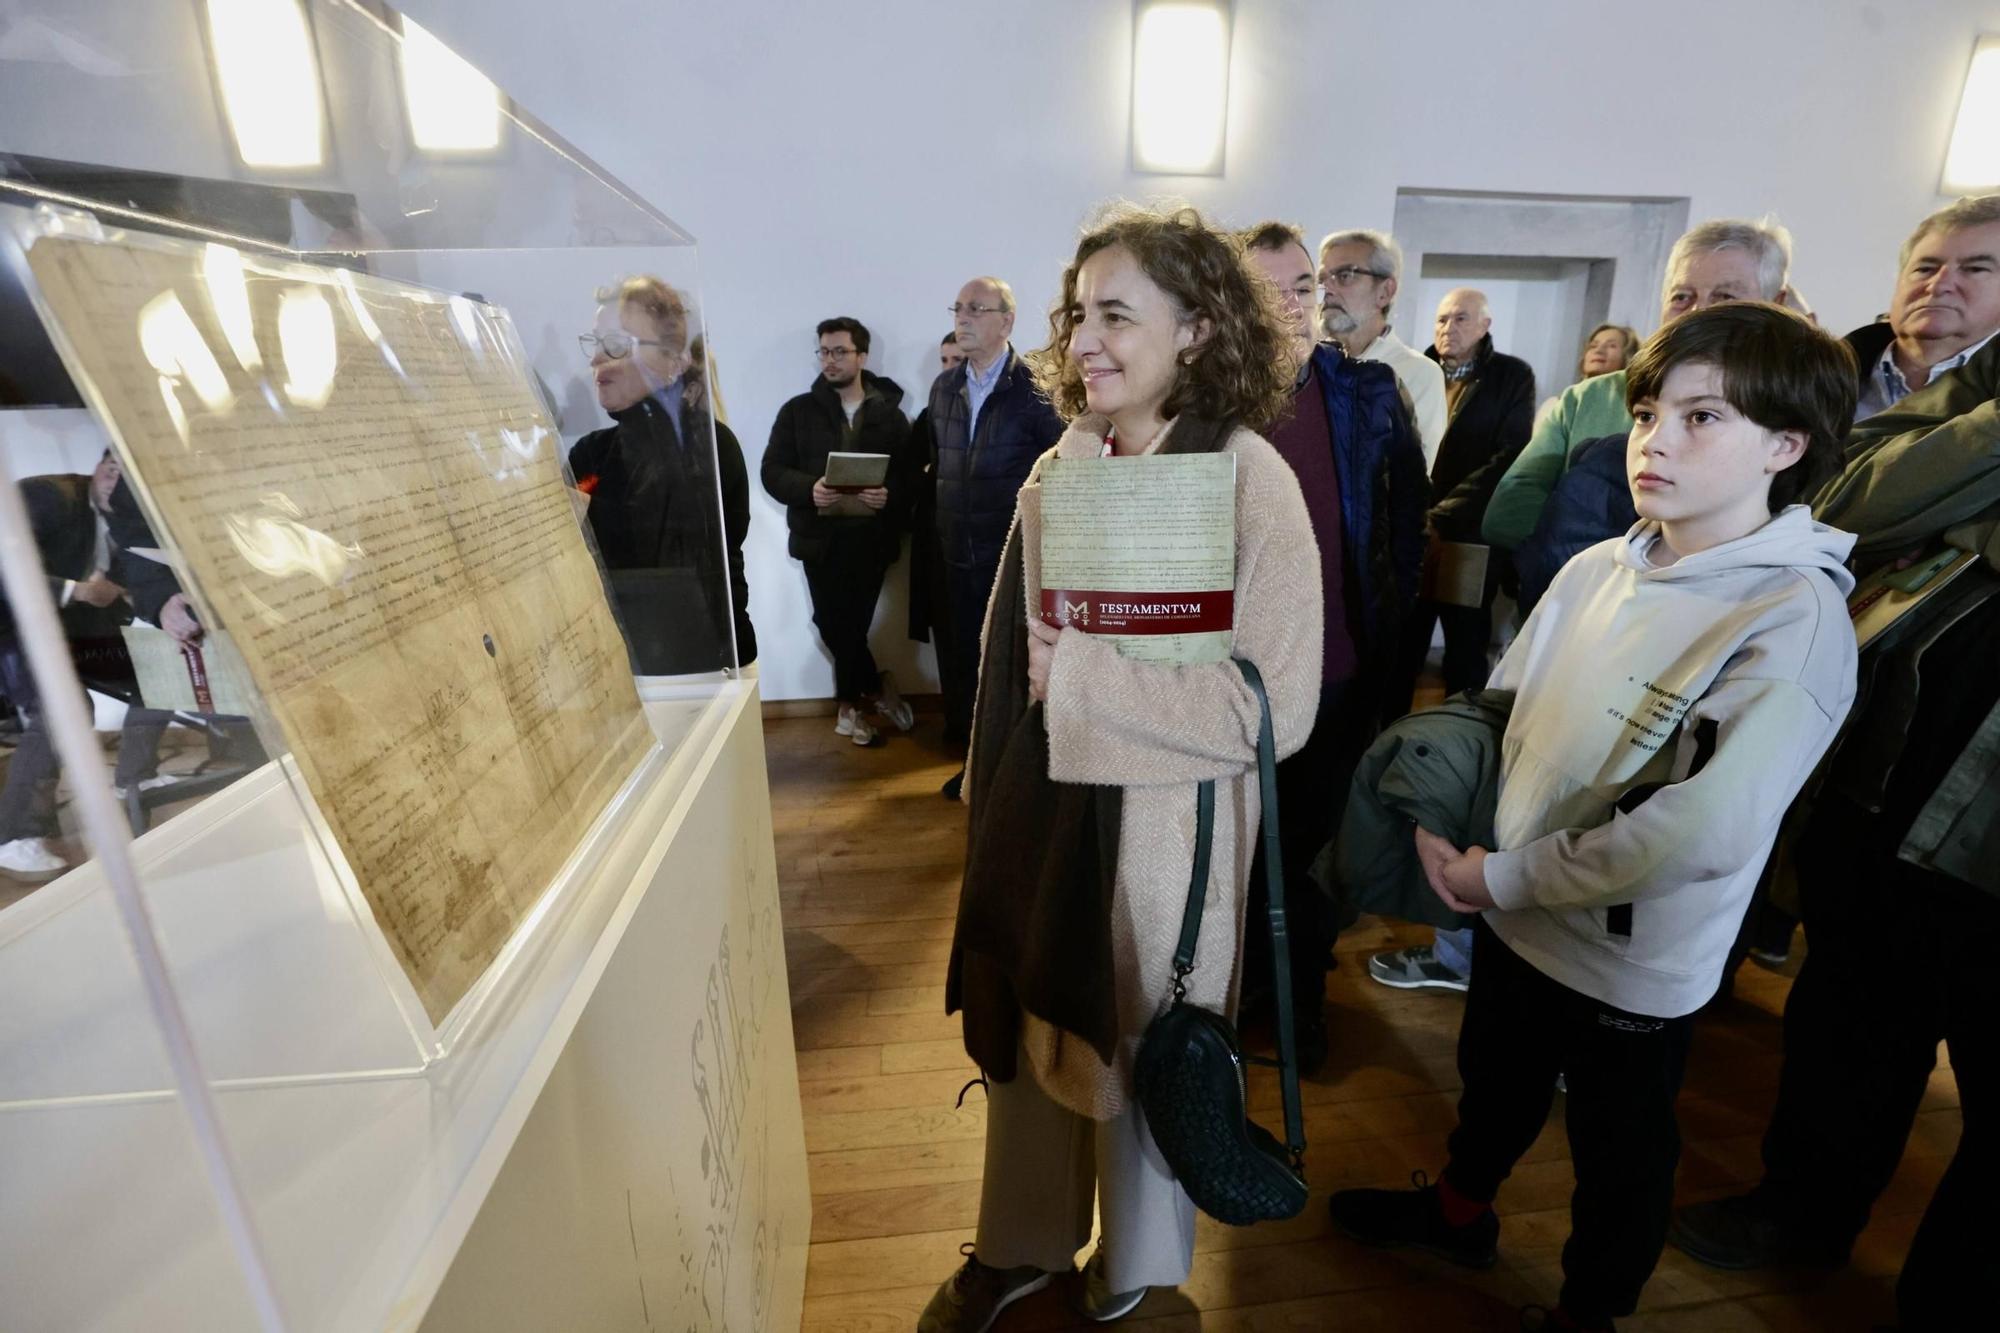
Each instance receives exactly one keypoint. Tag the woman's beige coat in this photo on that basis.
(1157, 731)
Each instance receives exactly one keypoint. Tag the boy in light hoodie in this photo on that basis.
(1674, 689)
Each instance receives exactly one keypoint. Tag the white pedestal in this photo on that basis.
(629, 1107)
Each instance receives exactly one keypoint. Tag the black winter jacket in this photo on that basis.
(1486, 434)
(813, 425)
(980, 475)
(652, 483)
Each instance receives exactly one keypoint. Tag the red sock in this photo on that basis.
(1458, 1210)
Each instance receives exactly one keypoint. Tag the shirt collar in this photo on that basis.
(1891, 374)
(992, 375)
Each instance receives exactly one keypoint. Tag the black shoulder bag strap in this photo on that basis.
(1274, 882)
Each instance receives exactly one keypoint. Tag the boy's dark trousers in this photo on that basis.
(1898, 958)
(845, 584)
(1521, 1029)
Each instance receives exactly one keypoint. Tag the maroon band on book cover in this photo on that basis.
(1212, 612)
(204, 701)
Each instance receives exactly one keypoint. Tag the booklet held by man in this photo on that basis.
(851, 474)
(1143, 551)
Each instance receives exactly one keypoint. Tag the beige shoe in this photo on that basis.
(973, 1297)
(1099, 1303)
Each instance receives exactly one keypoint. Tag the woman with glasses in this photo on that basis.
(676, 564)
(1083, 772)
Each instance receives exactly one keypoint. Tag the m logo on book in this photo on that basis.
(1075, 613)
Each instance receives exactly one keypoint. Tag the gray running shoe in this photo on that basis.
(1099, 1303)
(973, 1297)
(1414, 968)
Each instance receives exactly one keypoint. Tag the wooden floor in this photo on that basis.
(869, 858)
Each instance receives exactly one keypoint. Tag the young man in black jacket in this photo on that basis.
(845, 542)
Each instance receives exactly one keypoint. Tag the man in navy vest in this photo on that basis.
(989, 426)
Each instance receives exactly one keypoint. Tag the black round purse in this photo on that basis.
(1189, 1075)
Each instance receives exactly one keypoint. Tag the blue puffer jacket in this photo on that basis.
(979, 476)
(1385, 492)
(1590, 504)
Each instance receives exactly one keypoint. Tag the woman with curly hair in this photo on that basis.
(1083, 771)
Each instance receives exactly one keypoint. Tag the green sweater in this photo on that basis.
(1587, 409)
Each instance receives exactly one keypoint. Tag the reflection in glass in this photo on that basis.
(306, 339)
(453, 107)
(179, 353)
(270, 81)
(281, 547)
(229, 294)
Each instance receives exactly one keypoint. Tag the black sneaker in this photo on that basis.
(972, 1298)
(1393, 1218)
(1748, 1231)
(953, 785)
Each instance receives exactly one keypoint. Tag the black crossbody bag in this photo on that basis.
(1190, 1072)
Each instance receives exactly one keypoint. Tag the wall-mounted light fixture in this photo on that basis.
(453, 107)
(269, 76)
(1972, 163)
(1180, 86)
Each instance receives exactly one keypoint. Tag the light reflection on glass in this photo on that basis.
(466, 316)
(270, 81)
(178, 352)
(453, 107)
(229, 294)
(523, 443)
(356, 306)
(282, 547)
(306, 340)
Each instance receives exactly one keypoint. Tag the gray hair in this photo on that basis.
(1766, 241)
(1385, 257)
(1974, 210)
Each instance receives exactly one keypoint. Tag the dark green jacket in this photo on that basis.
(1438, 767)
(1927, 470)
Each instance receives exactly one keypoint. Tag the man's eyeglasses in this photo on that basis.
(975, 309)
(617, 346)
(833, 353)
(1348, 274)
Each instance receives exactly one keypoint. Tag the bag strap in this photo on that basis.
(1274, 883)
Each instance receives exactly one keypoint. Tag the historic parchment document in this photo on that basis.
(1143, 550)
(364, 484)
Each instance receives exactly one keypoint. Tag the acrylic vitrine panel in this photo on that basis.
(416, 523)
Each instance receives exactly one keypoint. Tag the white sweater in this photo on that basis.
(1623, 673)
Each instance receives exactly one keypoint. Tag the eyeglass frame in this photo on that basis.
(837, 353)
(591, 343)
(975, 309)
(1346, 274)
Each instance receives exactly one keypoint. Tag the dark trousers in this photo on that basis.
(1521, 1029)
(27, 800)
(1897, 959)
(845, 584)
(1468, 630)
(969, 589)
(1312, 789)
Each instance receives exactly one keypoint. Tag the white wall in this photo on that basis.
(866, 159)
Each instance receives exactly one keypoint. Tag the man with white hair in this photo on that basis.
(1359, 274)
(1725, 259)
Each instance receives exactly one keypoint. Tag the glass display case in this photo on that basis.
(372, 584)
